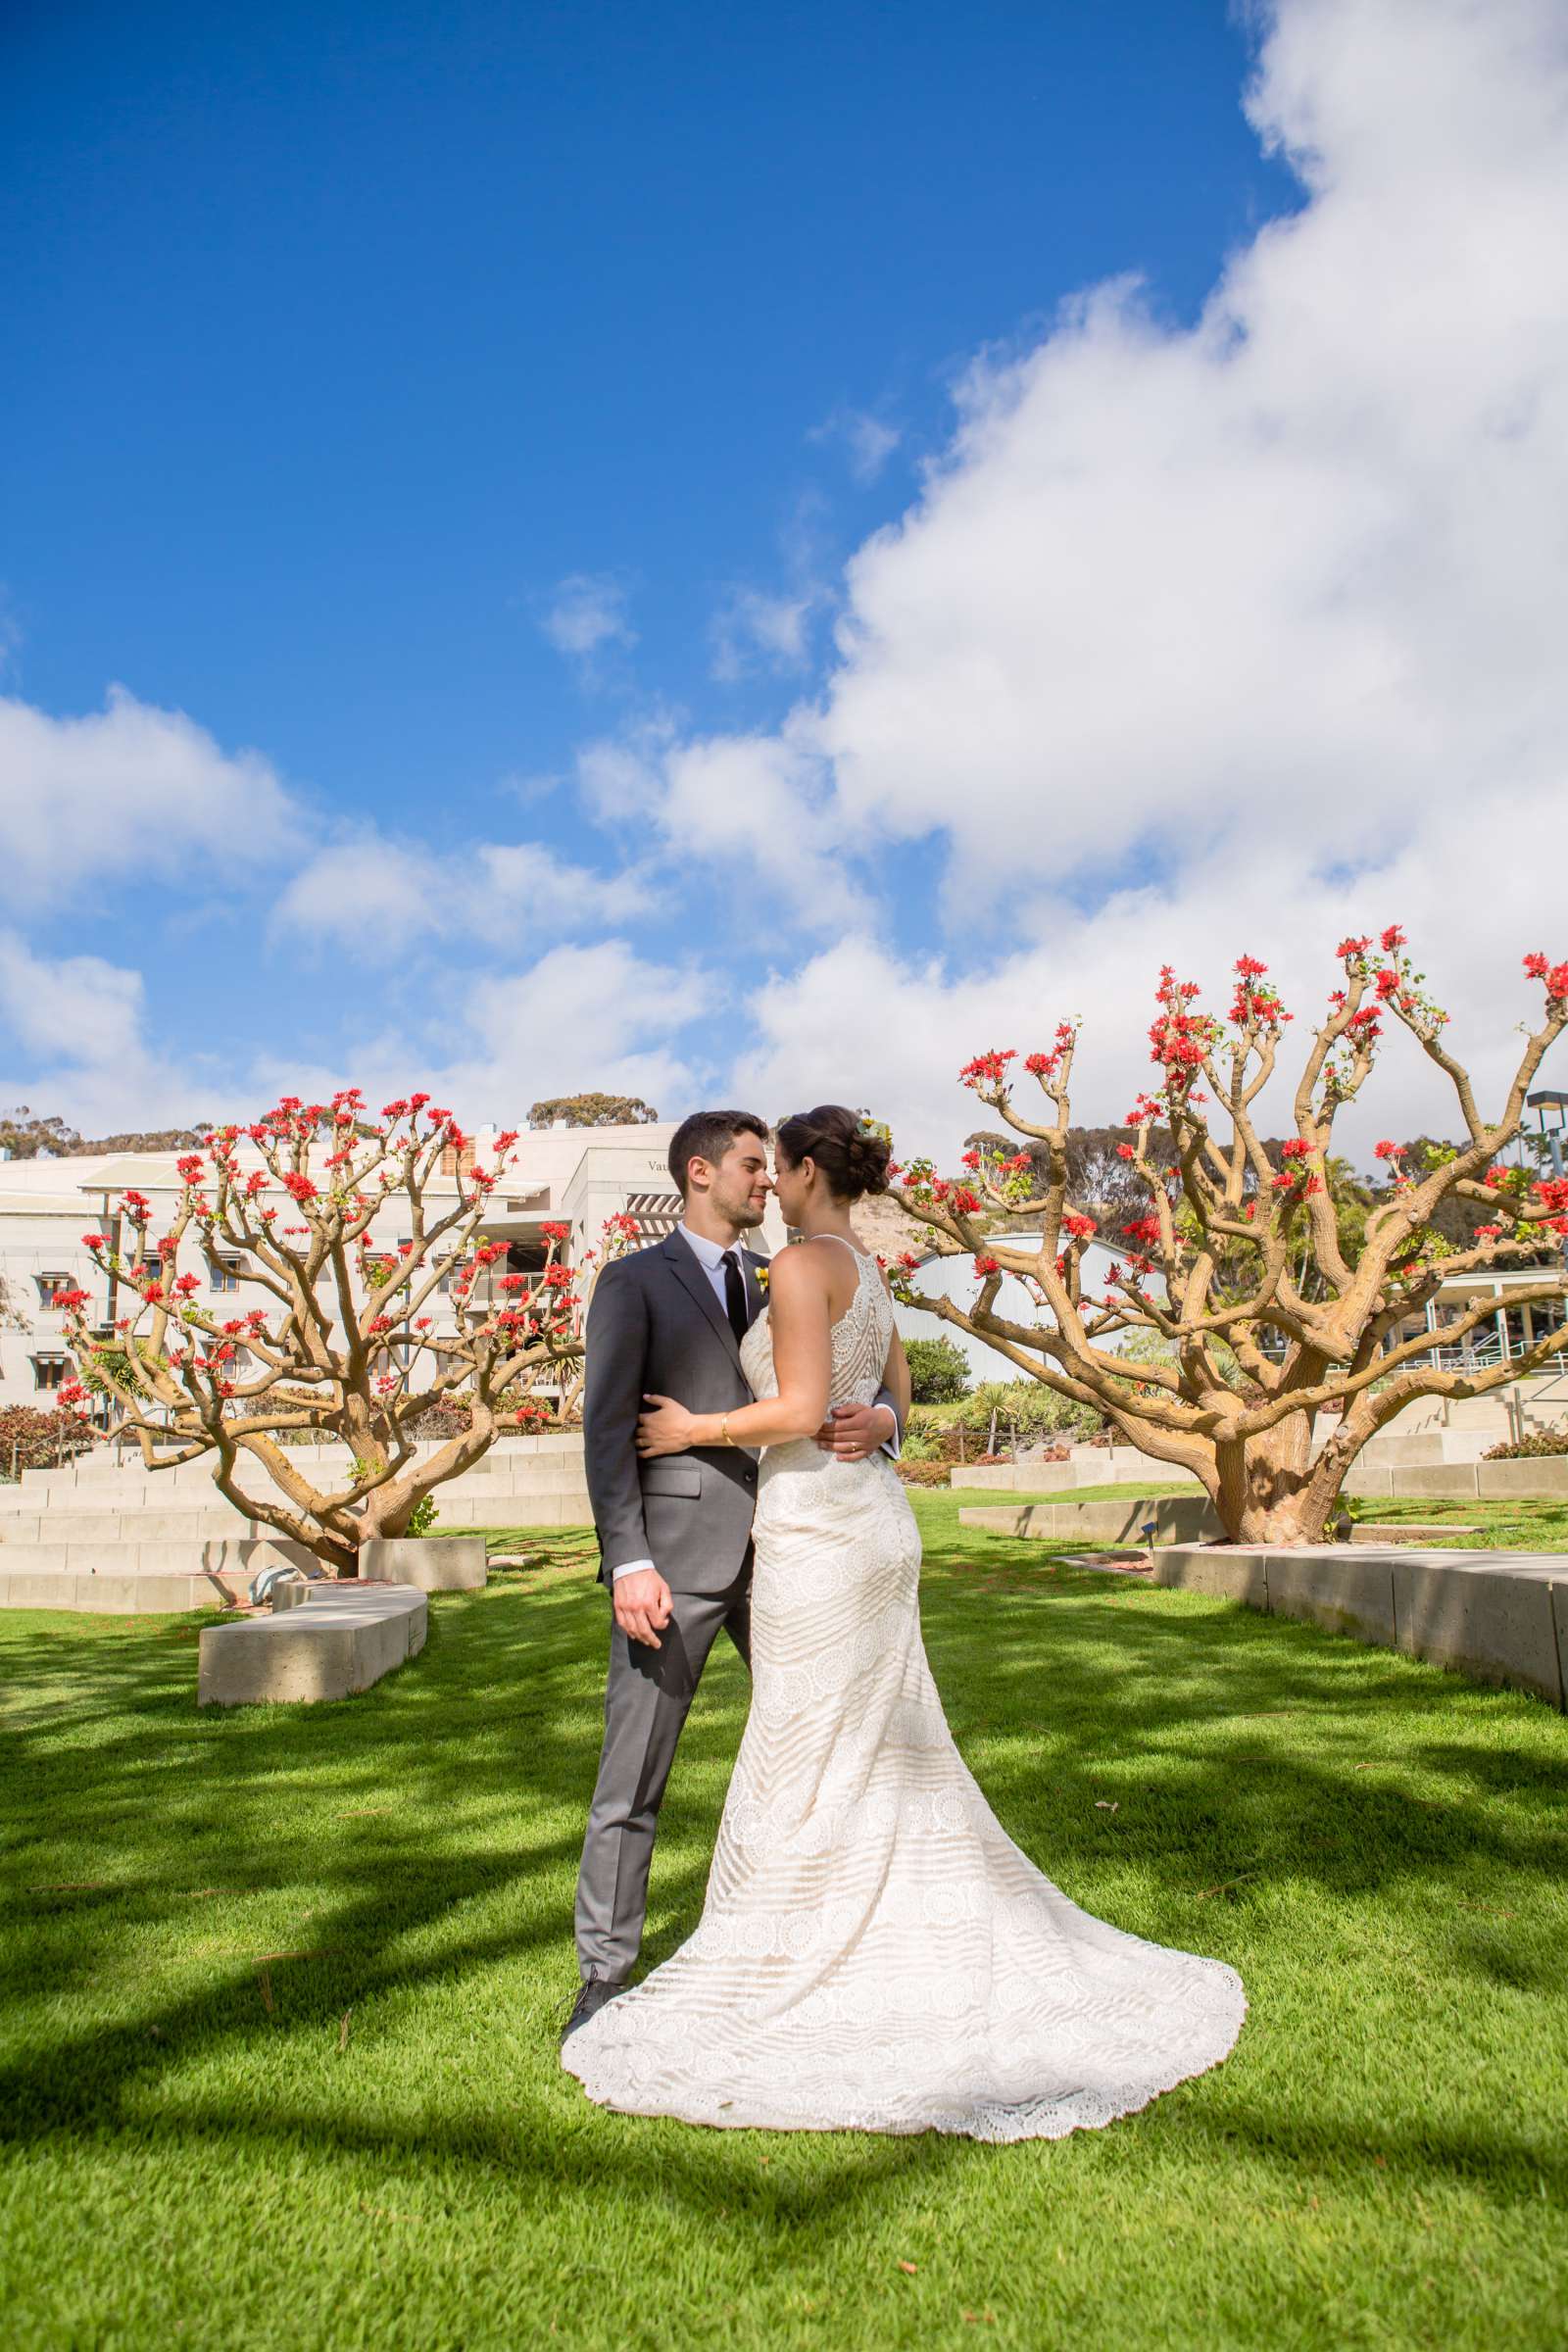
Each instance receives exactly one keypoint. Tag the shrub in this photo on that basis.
(35, 1440)
(922, 1446)
(917, 1473)
(1034, 1411)
(939, 1371)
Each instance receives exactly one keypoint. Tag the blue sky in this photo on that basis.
(528, 430)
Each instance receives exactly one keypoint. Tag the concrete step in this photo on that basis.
(233, 1561)
(571, 1509)
(60, 1526)
(89, 1470)
(60, 1523)
(25, 1504)
(117, 1596)
(539, 1475)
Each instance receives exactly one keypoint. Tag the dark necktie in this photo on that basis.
(735, 1296)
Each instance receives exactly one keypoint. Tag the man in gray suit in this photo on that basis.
(674, 1533)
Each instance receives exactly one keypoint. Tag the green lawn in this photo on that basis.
(1514, 1525)
(281, 1991)
(1528, 1526)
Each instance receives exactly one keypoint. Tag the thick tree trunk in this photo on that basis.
(1269, 1490)
(386, 1510)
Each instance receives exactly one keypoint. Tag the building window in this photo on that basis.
(51, 1285)
(226, 1273)
(49, 1371)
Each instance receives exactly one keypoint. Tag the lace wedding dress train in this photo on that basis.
(875, 1953)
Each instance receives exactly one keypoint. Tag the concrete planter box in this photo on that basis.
(429, 1564)
(1344, 1594)
(1224, 1573)
(1491, 1625)
(1499, 1617)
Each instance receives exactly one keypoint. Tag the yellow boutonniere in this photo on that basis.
(761, 1280)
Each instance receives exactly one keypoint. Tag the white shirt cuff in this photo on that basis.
(628, 1568)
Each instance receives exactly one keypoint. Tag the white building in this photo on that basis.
(573, 1176)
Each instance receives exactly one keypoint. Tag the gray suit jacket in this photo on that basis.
(655, 1327)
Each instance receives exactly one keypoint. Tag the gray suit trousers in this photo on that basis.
(647, 1698)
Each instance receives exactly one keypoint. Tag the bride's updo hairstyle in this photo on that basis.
(853, 1160)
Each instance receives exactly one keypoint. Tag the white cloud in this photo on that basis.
(756, 630)
(378, 898)
(72, 1008)
(753, 806)
(1300, 568)
(1241, 635)
(587, 613)
(868, 440)
(128, 790)
(581, 1017)
(578, 1018)
(78, 1023)
(860, 1024)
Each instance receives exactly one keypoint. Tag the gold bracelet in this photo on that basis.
(724, 1430)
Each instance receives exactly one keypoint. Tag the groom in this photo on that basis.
(674, 1533)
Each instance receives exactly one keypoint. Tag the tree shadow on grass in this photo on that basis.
(1227, 1743)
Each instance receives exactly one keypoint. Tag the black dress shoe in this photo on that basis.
(595, 1992)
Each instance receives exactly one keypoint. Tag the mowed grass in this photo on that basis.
(1518, 1524)
(283, 1986)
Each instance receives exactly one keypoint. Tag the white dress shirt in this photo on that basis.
(711, 1255)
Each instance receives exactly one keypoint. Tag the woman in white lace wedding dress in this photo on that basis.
(875, 1953)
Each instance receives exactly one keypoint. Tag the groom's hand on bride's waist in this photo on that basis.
(642, 1605)
(855, 1432)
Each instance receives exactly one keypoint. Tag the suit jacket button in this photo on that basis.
(751, 1478)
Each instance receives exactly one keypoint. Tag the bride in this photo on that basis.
(874, 1953)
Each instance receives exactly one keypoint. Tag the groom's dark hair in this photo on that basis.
(707, 1135)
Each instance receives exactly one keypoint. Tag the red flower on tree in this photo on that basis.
(318, 1349)
(1289, 1340)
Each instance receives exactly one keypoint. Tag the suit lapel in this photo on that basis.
(682, 1263)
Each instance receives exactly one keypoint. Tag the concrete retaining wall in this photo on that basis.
(1542, 1479)
(1177, 1518)
(1499, 1617)
(1061, 1478)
